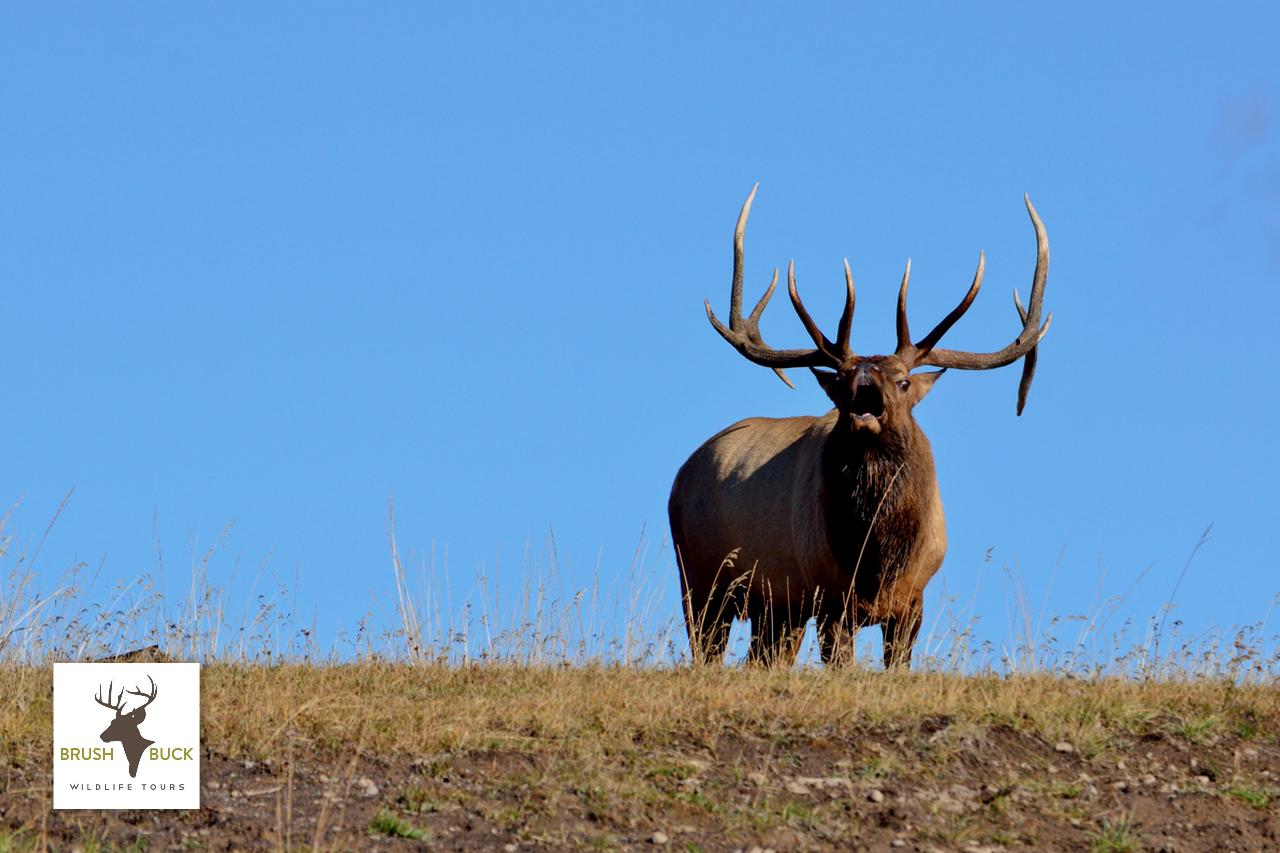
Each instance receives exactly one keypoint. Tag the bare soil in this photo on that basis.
(868, 779)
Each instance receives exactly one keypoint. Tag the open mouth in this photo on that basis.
(867, 402)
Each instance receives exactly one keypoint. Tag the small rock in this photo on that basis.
(367, 787)
(797, 788)
(897, 842)
(659, 838)
(824, 781)
(1149, 779)
(876, 795)
(758, 779)
(248, 765)
(509, 848)
(1203, 780)
(1064, 746)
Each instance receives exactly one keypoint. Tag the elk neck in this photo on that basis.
(873, 490)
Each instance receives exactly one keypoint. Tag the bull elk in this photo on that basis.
(835, 517)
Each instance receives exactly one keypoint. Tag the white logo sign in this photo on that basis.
(126, 735)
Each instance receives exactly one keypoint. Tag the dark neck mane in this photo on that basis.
(873, 489)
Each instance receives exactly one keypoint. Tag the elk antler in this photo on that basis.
(744, 334)
(923, 352)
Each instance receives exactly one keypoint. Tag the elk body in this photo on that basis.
(835, 517)
(124, 727)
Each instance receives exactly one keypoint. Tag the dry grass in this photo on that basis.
(604, 757)
(255, 711)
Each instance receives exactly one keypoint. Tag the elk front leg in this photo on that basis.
(837, 634)
(900, 632)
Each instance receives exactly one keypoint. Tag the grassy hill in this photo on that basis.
(375, 755)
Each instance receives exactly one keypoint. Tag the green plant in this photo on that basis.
(414, 799)
(389, 824)
(1198, 729)
(1117, 837)
(1255, 797)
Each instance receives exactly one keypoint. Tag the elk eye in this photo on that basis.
(904, 384)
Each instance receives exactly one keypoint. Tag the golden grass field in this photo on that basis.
(376, 755)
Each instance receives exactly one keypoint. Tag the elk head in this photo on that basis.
(877, 392)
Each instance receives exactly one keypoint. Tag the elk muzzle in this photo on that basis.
(867, 405)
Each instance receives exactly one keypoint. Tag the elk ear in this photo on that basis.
(921, 383)
(827, 380)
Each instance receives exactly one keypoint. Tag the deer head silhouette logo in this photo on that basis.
(124, 727)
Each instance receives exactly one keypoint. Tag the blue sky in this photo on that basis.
(275, 264)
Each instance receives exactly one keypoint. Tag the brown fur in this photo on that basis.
(782, 520)
(836, 517)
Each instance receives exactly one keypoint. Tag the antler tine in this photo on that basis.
(929, 341)
(1028, 338)
(824, 344)
(1036, 301)
(753, 319)
(753, 323)
(904, 328)
(846, 317)
(1028, 363)
(743, 334)
(739, 235)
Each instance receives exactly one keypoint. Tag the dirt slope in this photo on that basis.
(372, 757)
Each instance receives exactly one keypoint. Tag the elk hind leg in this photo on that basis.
(708, 618)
